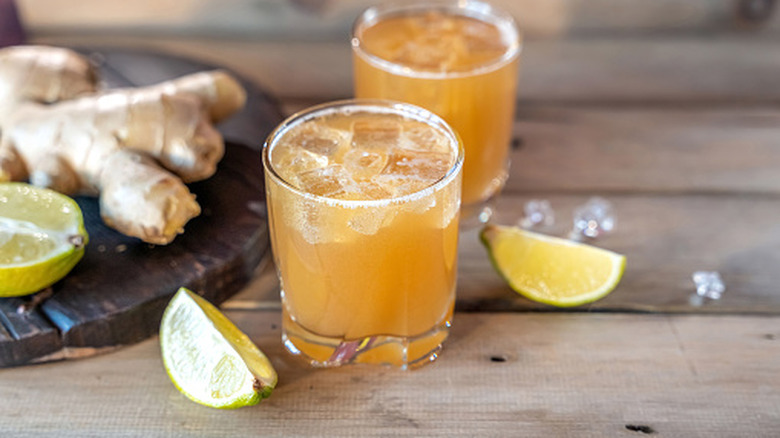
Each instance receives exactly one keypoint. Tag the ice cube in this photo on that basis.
(480, 37)
(374, 190)
(593, 219)
(708, 284)
(364, 164)
(434, 23)
(369, 221)
(402, 185)
(329, 181)
(298, 160)
(538, 212)
(432, 52)
(426, 166)
(375, 134)
(418, 136)
(320, 139)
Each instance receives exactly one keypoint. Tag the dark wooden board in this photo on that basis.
(116, 295)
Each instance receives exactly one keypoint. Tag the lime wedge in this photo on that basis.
(209, 359)
(550, 270)
(42, 237)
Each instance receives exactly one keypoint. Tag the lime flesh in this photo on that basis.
(209, 359)
(42, 237)
(551, 270)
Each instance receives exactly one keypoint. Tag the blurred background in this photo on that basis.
(574, 50)
(316, 19)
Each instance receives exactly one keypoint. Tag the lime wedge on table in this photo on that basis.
(551, 270)
(42, 237)
(209, 359)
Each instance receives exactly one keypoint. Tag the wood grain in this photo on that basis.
(674, 150)
(499, 375)
(315, 19)
(665, 240)
(690, 70)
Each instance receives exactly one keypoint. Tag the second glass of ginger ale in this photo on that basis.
(363, 203)
(458, 59)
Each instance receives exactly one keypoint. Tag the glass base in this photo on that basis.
(476, 215)
(397, 351)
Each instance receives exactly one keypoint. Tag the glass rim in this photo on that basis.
(393, 107)
(470, 8)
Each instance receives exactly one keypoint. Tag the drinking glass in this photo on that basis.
(363, 203)
(458, 59)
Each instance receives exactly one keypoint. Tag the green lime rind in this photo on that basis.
(31, 279)
(54, 214)
(537, 290)
(207, 357)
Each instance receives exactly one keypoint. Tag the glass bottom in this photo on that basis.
(398, 351)
(476, 215)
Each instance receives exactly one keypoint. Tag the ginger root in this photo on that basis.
(134, 148)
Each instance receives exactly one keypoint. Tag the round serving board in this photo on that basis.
(116, 295)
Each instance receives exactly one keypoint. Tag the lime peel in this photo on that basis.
(551, 270)
(209, 359)
(42, 237)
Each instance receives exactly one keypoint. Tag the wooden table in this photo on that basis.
(680, 132)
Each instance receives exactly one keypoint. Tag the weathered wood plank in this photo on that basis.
(670, 150)
(589, 375)
(727, 69)
(665, 239)
(30, 335)
(327, 18)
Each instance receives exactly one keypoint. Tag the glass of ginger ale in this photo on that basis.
(363, 204)
(458, 59)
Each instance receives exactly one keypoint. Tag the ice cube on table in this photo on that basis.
(537, 212)
(375, 134)
(593, 219)
(709, 284)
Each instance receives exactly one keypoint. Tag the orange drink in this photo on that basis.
(458, 59)
(363, 204)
